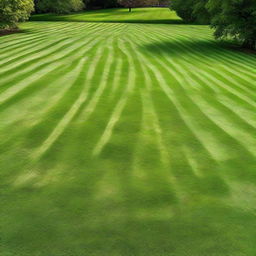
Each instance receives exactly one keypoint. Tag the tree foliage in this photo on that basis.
(200, 12)
(14, 11)
(234, 19)
(59, 6)
(191, 10)
(184, 9)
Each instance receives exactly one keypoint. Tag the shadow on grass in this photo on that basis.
(202, 47)
(14, 31)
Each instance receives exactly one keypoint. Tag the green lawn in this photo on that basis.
(138, 15)
(126, 140)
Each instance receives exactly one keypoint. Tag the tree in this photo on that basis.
(130, 3)
(59, 6)
(234, 19)
(14, 11)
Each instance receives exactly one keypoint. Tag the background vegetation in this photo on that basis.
(235, 19)
(59, 6)
(231, 19)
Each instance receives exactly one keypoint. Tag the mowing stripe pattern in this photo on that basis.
(124, 126)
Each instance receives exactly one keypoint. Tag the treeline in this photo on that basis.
(231, 19)
(97, 4)
(67, 6)
(140, 3)
(14, 11)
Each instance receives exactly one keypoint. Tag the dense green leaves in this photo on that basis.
(184, 9)
(13, 11)
(59, 6)
(200, 12)
(233, 19)
(191, 10)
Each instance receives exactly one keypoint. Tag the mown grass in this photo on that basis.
(126, 139)
(138, 15)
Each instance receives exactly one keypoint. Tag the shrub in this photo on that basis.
(14, 11)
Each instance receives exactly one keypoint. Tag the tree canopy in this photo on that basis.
(232, 19)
